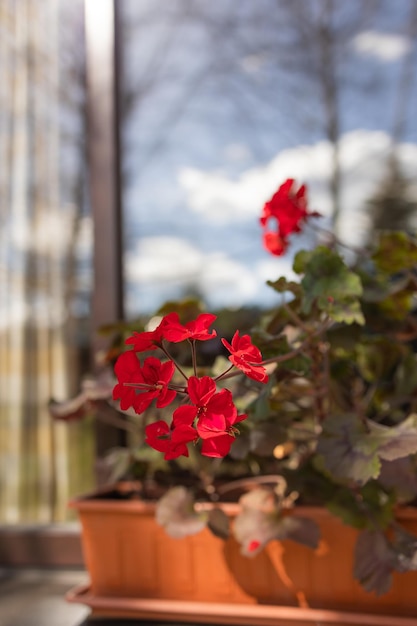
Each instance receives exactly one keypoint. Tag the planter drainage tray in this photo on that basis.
(219, 613)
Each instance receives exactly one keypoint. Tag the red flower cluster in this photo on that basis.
(172, 330)
(209, 416)
(289, 208)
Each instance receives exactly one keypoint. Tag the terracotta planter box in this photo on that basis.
(137, 570)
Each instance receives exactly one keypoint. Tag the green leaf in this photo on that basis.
(260, 521)
(405, 545)
(300, 529)
(352, 449)
(344, 505)
(344, 338)
(396, 252)
(147, 455)
(377, 358)
(394, 442)
(301, 260)
(397, 306)
(392, 296)
(347, 450)
(346, 311)
(364, 508)
(378, 505)
(121, 327)
(259, 408)
(119, 461)
(400, 477)
(375, 560)
(377, 289)
(406, 375)
(330, 285)
(282, 285)
(219, 523)
(176, 513)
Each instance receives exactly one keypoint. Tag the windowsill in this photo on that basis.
(37, 597)
(31, 545)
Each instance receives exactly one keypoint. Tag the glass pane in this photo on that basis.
(225, 100)
(44, 257)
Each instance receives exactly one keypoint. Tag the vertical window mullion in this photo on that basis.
(104, 163)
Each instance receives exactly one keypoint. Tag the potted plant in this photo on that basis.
(287, 464)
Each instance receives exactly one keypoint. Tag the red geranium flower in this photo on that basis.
(218, 436)
(202, 393)
(215, 414)
(274, 243)
(171, 441)
(139, 385)
(217, 443)
(172, 329)
(218, 416)
(201, 389)
(158, 375)
(246, 357)
(148, 340)
(289, 208)
(127, 370)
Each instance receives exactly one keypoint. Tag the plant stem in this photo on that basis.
(105, 413)
(193, 355)
(225, 373)
(295, 318)
(171, 358)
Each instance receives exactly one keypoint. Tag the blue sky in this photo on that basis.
(219, 123)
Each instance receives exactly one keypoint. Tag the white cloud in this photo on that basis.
(219, 199)
(407, 157)
(163, 267)
(226, 280)
(385, 47)
(165, 259)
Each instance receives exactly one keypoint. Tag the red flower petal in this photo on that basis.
(201, 389)
(157, 435)
(217, 447)
(198, 328)
(275, 244)
(184, 415)
(211, 425)
(183, 434)
(127, 370)
(174, 331)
